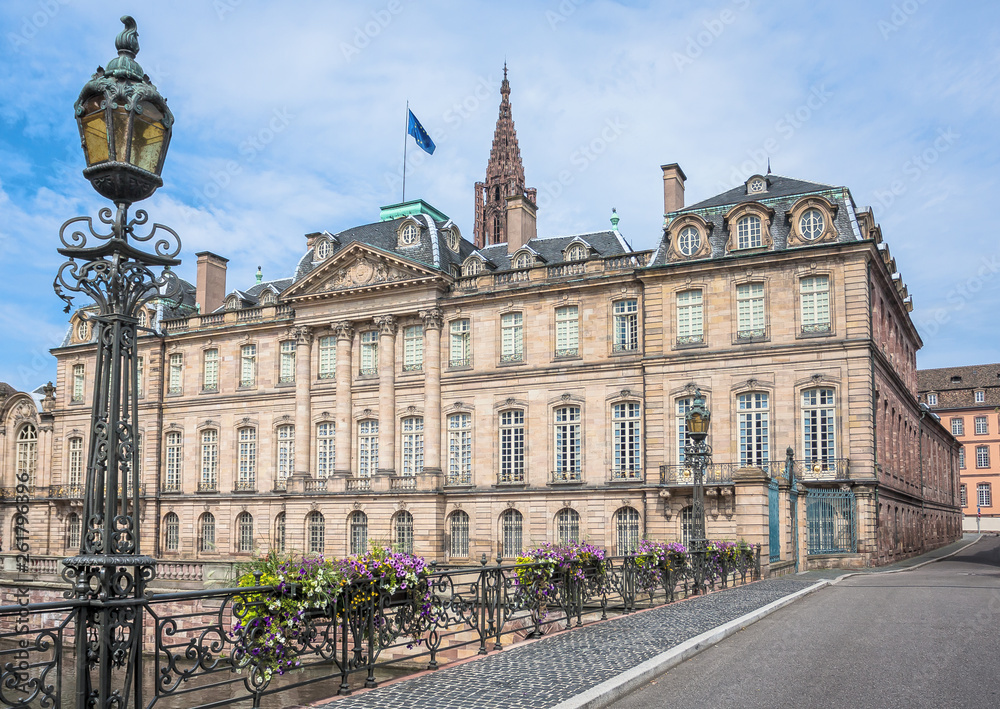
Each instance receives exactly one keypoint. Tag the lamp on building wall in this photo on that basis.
(125, 128)
(696, 421)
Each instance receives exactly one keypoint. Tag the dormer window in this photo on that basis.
(472, 267)
(453, 238)
(523, 260)
(756, 185)
(82, 331)
(811, 224)
(748, 232)
(268, 298)
(689, 241)
(323, 249)
(408, 235)
(233, 303)
(143, 319)
(811, 220)
(576, 252)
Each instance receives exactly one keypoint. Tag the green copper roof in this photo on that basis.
(405, 209)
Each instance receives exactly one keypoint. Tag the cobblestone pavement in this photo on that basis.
(551, 670)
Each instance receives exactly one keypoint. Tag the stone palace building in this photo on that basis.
(463, 397)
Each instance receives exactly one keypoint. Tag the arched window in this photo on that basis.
(244, 530)
(171, 532)
(687, 525)
(317, 532)
(523, 260)
(627, 530)
(73, 531)
(27, 455)
(567, 526)
(206, 532)
(279, 532)
(357, 524)
(402, 532)
(472, 267)
(576, 252)
(458, 528)
(510, 533)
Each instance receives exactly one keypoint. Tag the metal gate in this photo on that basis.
(774, 514)
(831, 520)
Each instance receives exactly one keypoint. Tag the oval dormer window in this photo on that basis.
(409, 235)
(811, 224)
(454, 239)
(82, 330)
(689, 240)
(323, 249)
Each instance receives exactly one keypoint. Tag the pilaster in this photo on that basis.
(433, 323)
(386, 393)
(303, 400)
(345, 337)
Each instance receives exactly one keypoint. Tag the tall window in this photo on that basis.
(982, 456)
(510, 531)
(247, 466)
(171, 532)
(402, 532)
(206, 532)
(244, 531)
(79, 373)
(75, 476)
(567, 443)
(367, 447)
(140, 378)
(984, 495)
(210, 370)
(512, 337)
(27, 454)
(286, 451)
(626, 326)
(248, 365)
(627, 441)
(682, 408)
(209, 459)
(413, 445)
(512, 446)
(460, 449)
(687, 525)
(690, 320)
(748, 232)
(961, 457)
(963, 495)
(286, 365)
(567, 526)
(753, 413)
(328, 357)
(750, 310)
(819, 425)
(815, 301)
(567, 331)
(982, 426)
(369, 353)
(958, 427)
(627, 530)
(458, 528)
(325, 449)
(460, 347)
(316, 527)
(413, 348)
(280, 525)
(357, 524)
(176, 369)
(73, 531)
(175, 458)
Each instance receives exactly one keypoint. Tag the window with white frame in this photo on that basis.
(79, 377)
(963, 495)
(357, 525)
(626, 325)
(316, 532)
(75, 476)
(627, 441)
(172, 532)
(27, 454)
(748, 234)
(412, 433)
(958, 427)
(246, 479)
(280, 531)
(819, 426)
(523, 260)
(567, 331)
(512, 337)
(681, 418)
(367, 448)
(460, 343)
(82, 331)
(689, 240)
(140, 376)
(568, 443)
(248, 365)
(458, 534)
(982, 456)
(244, 532)
(286, 367)
(979, 396)
(175, 459)
(568, 526)
(369, 353)
(511, 523)
(627, 530)
(209, 460)
(811, 224)
(932, 399)
(753, 421)
(576, 252)
(286, 451)
(73, 531)
(413, 348)
(408, 235)
(323, 249)
(472, 267)
(690, 319)
(961, 457)
(402, 532)
(206, 532)
(687, 525)
(328, 357)
(210, 370)
(750, 311)
(984, 495)
(325, 449)
(174, 372)
(460, 449)
(512, 446)
(814, 293)
(982, 426)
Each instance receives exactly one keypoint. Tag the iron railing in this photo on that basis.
(715, 474)
(831, 521)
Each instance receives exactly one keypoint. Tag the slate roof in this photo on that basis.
(777, 186)
(550, 249)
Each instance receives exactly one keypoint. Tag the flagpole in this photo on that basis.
(406, 130)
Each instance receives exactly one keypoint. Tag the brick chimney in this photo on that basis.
(673, 187)
(211, 286)
(521, 226)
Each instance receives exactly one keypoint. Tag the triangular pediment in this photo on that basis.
(360, 267)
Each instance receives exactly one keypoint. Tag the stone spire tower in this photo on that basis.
(504, 177)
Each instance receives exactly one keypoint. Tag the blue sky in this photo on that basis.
(290, 119)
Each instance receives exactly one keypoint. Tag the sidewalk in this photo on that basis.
(903, 565)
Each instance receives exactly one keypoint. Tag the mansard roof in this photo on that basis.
(777, 186)
(550, 249)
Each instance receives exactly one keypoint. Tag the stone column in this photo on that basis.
(386, 393)
(433, 322)
(303, 400)
(345, 337)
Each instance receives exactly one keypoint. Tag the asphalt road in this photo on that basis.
(923, 638)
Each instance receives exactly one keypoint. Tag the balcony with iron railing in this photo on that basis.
(830, 469)
(626, 475)
(245, 486)
(208, 486)
(458, 479)
(566, 477)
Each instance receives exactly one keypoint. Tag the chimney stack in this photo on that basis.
(673, 187)
(211, 286)
(521, 226)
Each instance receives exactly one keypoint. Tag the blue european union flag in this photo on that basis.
(414, 128)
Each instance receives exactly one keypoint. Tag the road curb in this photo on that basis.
(908, 568)
(615, 688)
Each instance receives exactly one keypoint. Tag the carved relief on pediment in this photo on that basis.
(365, 271)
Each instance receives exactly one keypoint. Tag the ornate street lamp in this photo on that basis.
(125, 129)
(697, 421)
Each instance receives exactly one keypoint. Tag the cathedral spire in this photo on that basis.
(504, 176)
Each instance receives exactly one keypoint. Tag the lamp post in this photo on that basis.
(125, 129)
(697, 421)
